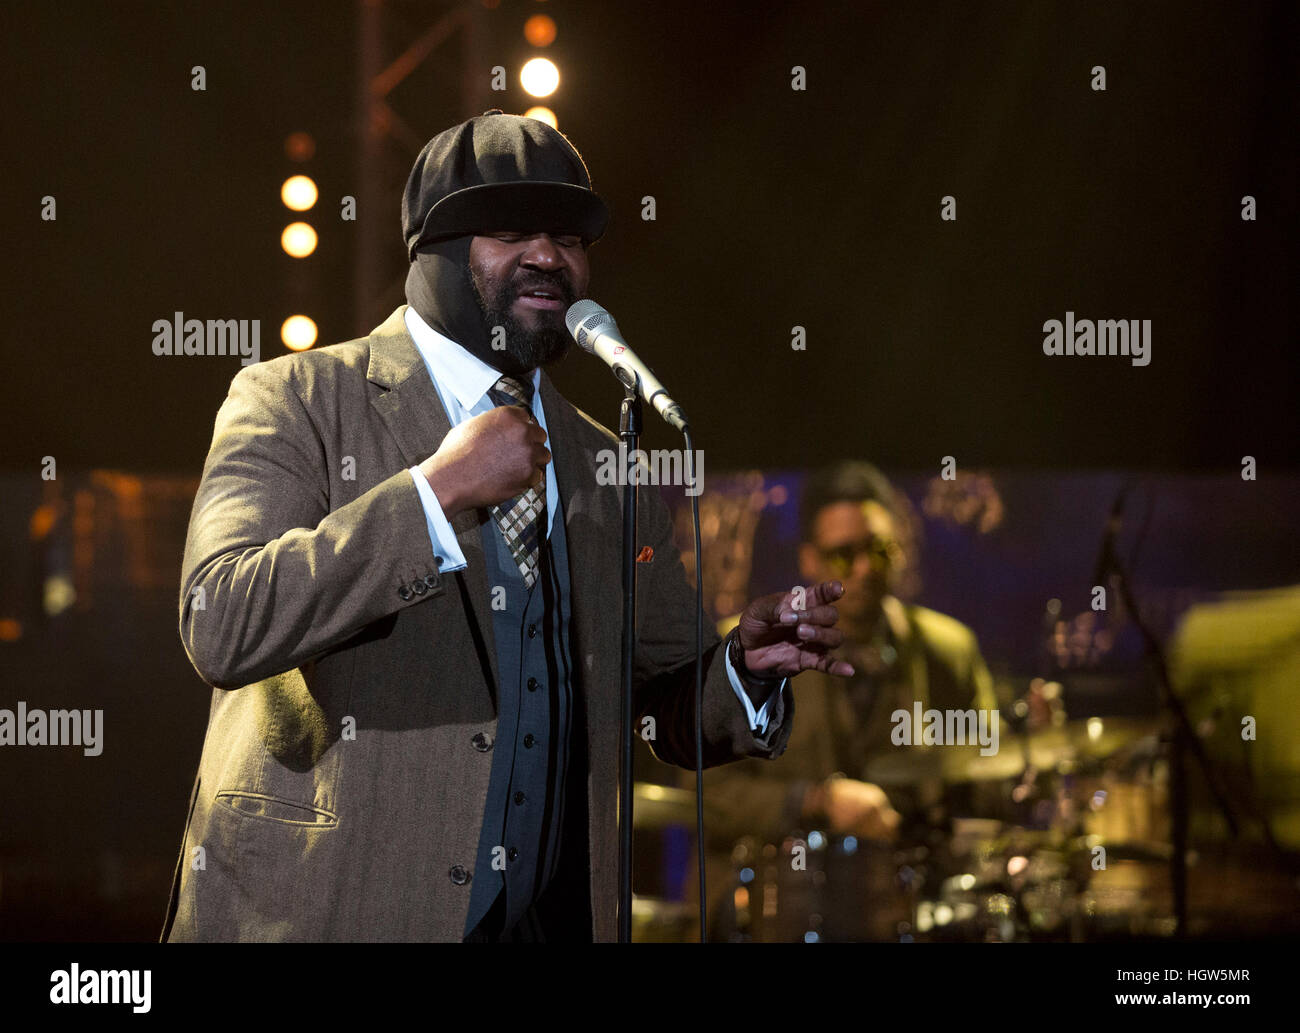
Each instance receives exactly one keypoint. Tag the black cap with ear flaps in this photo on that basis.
(499, 172)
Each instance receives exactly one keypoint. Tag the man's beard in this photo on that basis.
(524, 348)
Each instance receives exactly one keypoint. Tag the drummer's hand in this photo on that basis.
(785, 633)
(853, 808)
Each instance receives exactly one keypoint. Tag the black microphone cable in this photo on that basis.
(699, 678)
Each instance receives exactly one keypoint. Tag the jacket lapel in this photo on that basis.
(407, 402)
(410, 408)
(575, 477)
(570, 474)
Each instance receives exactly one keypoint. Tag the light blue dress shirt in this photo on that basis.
(462, 381)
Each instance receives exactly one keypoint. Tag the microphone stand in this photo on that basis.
(629, 432)
(1184, 740)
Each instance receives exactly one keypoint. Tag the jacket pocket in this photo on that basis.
(273, 808)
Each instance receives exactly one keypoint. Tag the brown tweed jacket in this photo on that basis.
(340, 793)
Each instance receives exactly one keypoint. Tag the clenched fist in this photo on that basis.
(488, 459)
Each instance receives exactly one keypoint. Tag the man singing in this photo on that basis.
(402, 580)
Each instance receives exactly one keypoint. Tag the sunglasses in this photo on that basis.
(843, 558)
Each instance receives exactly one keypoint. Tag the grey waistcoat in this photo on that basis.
(520, 842)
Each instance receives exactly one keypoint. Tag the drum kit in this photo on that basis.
(1060, 835)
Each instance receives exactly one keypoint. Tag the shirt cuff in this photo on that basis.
(443, 539)
(758, 720)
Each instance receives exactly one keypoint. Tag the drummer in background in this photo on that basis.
(850, 520)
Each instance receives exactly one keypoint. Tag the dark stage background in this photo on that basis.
(775, 208)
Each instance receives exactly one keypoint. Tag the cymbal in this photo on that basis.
(1093, 738)
(967, 764)
(905, 767)
(1045, 749)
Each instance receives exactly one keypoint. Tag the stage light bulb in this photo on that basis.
(539, 77)
(542, 114)
(299, 193)
(298, 333)
(298, 239)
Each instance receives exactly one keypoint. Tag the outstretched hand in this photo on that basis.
(785, 633)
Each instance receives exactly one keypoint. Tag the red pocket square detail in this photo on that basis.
(645, 555)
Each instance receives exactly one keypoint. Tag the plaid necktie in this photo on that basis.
(520, 517)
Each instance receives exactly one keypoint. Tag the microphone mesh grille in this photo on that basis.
(585, 319)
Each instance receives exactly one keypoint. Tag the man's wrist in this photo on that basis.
(758, 687)
(447, 497)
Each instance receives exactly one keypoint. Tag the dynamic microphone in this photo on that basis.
(596, 332)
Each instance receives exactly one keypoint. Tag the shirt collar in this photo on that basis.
(466, 375)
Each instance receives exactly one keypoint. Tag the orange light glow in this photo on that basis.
(539, 30)
(299, 146)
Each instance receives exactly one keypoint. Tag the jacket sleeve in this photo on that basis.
(664, 668)
(272, 577)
